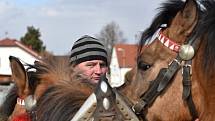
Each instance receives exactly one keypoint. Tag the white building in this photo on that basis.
(12, 47)
(123, 58)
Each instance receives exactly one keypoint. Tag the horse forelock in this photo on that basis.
(168, 10)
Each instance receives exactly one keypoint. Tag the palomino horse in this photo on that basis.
(58, 103)
(178, 65)
(30, 84)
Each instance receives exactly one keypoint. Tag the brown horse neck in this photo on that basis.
(204, 92)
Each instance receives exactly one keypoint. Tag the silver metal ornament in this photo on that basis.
(186, 52)
(30, 102)
(106, 103)
(104, 87)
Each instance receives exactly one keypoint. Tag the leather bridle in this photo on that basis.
(165, 77)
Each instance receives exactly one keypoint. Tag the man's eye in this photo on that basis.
(143, 66)
(90, 65)
(103, 65)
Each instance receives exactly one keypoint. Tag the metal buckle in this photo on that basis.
(134, 110)
(190, 66)
(140, 105)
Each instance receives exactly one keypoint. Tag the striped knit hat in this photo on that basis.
(88, 48)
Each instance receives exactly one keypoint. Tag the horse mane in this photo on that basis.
(61, 101)
(53, 68)
(166, 13)
(207, 27)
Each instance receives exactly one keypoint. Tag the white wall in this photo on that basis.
(117, 74)
(115, 77)
(5, 52)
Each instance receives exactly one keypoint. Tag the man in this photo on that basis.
(89, 56)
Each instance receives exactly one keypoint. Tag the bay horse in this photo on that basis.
(182, 19)
(30, 84)
(174, 77)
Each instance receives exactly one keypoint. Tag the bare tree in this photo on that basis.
(111, 34)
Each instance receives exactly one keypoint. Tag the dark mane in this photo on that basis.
(207, 27)
(61, 101)
(167, 12)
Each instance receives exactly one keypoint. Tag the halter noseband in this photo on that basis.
(168, 42)
(29, 102)
(20, 101)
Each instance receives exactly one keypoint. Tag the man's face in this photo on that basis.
(92, 69)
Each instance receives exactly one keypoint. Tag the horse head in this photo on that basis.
(31, 83)
(156, 88)
(25, 81)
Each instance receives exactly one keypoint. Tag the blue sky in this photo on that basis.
(61, 22)
(22, 3)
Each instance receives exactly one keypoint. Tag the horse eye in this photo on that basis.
(143, 66)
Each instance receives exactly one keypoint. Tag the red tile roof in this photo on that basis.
(126, 54)
(7, 42)
(14, 43)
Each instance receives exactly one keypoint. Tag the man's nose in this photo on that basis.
(98, 69)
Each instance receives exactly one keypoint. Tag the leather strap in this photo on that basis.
(161, 82)
(187, 94)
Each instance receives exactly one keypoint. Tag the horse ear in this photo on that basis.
(187, 17)
(19, 75)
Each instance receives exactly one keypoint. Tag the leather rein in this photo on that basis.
(166, 75)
